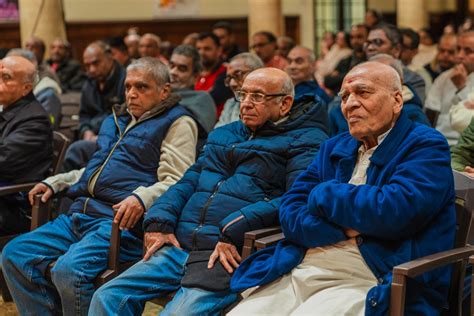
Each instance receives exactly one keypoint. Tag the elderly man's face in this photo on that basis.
(300, 67)
(446, 56)
(58, 51)
(33, 45)
(148, 47)
(370, 103)
(181, 71)
(13, 85)
(97, 63)
(255, 114)
(466, 51)
(142, 93)
(237, 71)
(378, 43)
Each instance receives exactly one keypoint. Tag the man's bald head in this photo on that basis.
(301, 64)
(389, 61)
(371, 101)
(98, 60)
(17, 78)
(266, 95)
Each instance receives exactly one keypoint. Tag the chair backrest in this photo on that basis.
(464, 216)
(60, 144)
(432, 116)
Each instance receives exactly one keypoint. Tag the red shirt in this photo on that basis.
(207, 83)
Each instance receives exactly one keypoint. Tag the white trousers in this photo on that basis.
(332, 280)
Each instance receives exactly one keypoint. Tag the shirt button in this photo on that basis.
(359, 240)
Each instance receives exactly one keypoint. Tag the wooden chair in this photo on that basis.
(40, 212)
(70, 106)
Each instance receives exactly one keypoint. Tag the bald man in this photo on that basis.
(149, 46)
(368, 202)
(25, 140)
(235, 186)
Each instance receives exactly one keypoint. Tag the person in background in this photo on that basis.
(462, 154)
(338, 52)
(150, 46)
(38, 47)
(265, 46)
(445, 58)
(426, 50)
(119, 50)
(284, 45)
(237, 70)
(225, 32)
(132, 41)
(372, 18)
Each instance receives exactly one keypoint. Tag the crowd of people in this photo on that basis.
(186, 148)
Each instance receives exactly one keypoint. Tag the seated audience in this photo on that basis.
(445, 58)
(45, 90)
(68, 70)
(145, 146)
(462, 154)
(460, 115)
(386, 39)
(184, 67)
(38, 47)
(358, 37)
(264, 44)
(237, 70)
(301, 71)
(225, 32)
(284, 45)
(150, 46)
(426, 50)
(235, 186)
(372, 18)
(338, 52)
(326, 43)
(119, 50)
(453, 86)
(190, 39)
(368, 202)
(212, 76)
(133, 42)
(25, 140)
(412, 105)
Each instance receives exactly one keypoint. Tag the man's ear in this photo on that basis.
(27, 87)
(398, 102)
(165, 93)
(285, 106)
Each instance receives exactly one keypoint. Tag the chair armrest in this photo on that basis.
(17, 188)
(268, 241)
(419, 266)
(40, 212)
(113, 267)
(251, 236)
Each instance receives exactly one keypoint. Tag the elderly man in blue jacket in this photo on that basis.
(144, 147)
(374, 197)
(234, 187)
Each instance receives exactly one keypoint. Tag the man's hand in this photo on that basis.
(459, 76)
(228, 256)
(89, 135)
(129, 211)
(154, 241)
(40, 188)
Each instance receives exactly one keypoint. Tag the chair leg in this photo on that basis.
(7, 297)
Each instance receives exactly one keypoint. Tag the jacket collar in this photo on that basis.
(384, 152)
(168, 103)
(10, 112)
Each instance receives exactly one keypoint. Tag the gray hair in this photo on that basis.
(191, 52)
(311, 55)
(153, 66)
(250, 60)
(154, 37)
(288, 87)
(30, 77)
(389, 60)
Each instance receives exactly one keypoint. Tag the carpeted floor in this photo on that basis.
(9, 309)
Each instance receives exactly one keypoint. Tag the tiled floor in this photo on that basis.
(9, 309)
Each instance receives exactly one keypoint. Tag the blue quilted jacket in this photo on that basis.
(405, 211)
(124, 160)
(237, 183)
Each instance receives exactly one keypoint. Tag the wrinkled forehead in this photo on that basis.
(362, 75)
(260, 82)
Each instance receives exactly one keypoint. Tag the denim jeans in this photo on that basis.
(157, 277)
(79, 244)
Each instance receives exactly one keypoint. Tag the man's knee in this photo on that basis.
(63, 276)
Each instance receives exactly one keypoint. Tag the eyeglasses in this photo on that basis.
(376, 41)
(255, 97)
(259, 45)
(238, 76)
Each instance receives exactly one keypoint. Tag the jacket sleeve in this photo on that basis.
(410, 197)
(460, 116)
(298, 223)
(462, 154)
(165, 211)
(265, 213)
(23, 143)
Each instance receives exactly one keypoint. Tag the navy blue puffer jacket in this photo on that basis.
(236, 184)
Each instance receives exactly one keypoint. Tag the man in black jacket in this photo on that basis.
(25, 139)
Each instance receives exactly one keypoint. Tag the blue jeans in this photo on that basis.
(79, 244)
(157, 277)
